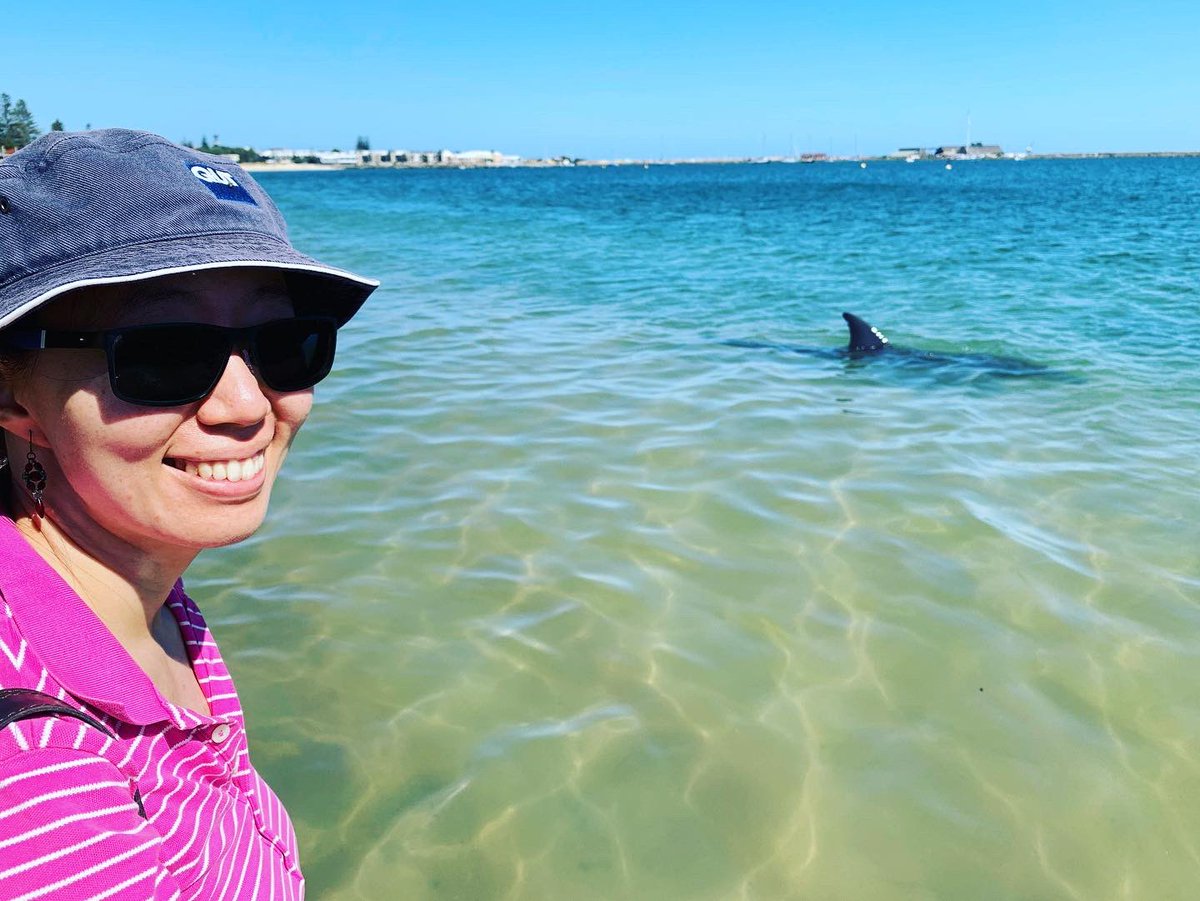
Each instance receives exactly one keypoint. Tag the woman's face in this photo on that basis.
(157, 479)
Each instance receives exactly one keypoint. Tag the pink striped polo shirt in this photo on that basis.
(69, 824)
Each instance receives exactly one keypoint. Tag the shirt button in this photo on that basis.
(220, 733)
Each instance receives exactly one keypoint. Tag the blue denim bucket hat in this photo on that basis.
(110, 206)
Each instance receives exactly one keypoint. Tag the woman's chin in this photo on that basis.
(227, 531)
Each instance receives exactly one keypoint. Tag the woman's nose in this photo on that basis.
(237, 398)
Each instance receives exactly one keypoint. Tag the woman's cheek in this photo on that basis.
(292, 409)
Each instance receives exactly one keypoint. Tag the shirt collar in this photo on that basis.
(71, 640)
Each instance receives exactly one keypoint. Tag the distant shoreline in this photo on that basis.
(293, 167)
(289, 166)
(1115, 154)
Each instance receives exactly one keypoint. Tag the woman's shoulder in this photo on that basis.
(63, 790)
(18, 665)
(54, 726)
(22, 672)
(72, 822)
(59, 782)
(19, 704)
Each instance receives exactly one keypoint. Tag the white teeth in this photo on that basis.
(225, 470)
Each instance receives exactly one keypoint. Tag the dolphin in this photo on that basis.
(867, 343)
(864, 337)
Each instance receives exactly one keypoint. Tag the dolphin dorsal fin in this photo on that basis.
(864, 337)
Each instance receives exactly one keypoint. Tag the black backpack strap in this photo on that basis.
(25, 703)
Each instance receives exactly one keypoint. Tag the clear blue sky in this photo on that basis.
(615, 78)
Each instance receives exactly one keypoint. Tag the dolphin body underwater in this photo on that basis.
(868, 344)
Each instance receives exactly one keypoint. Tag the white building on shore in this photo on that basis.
(328, 157)
(465, 158)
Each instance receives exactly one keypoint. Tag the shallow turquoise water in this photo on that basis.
(562, 596)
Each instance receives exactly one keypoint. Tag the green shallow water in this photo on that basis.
(563, 597)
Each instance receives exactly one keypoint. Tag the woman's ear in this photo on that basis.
(9, 408)
(14, 418)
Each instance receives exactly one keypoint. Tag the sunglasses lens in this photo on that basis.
(293, 354)
(168, 364)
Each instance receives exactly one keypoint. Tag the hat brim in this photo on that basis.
(315, 287)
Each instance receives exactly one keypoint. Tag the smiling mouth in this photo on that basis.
(222, 470)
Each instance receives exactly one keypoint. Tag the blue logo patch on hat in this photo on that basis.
(220, 182)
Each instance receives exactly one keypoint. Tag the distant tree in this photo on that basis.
(244, 154)
(363, 143)
(23, 129)
(17, 127)
(5, 118)
(56, 125)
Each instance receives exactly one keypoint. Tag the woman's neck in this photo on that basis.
(127, 590)
(124, 586)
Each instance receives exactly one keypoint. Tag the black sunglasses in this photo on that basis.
(179, 363)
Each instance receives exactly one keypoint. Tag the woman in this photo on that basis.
(159, 343)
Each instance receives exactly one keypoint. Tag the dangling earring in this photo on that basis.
(35, 479)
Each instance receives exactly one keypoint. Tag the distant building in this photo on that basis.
(483, 158)
(394, 157)
(968, 151)
(420, 157)
(287, 154)
(329, 157)
(338, 157)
